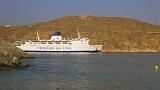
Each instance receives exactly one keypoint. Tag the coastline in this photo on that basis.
(130, 51)
(10, 56)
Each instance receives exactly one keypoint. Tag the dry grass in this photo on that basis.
(115, 33)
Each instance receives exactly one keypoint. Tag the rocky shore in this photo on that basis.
(10, 56)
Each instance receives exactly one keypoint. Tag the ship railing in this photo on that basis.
(42, 42)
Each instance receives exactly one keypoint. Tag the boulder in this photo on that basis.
(10, 56)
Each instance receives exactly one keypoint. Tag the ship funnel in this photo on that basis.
(56, 36)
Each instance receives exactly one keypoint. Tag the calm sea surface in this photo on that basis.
(113, 71)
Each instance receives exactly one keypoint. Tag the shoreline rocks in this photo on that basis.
(10, 56)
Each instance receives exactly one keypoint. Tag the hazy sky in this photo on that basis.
(18, 12)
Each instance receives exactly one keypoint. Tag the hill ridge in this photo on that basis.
(115, 33)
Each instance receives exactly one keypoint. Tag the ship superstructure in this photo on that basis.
(57, 44)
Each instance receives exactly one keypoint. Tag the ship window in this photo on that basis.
(50, 42)
(57, 42)
(65, 42)
(43, 42)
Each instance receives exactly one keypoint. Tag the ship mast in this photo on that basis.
(38, 36)
(79, 36)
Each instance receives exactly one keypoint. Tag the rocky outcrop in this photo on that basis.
(10, 56)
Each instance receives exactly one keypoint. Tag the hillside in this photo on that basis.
(117, 34)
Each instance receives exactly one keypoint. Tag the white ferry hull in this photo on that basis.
(57, 44)
(61, 48)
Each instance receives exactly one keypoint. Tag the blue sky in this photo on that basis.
(20, 12)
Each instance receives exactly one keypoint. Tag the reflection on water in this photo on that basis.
(115, 71)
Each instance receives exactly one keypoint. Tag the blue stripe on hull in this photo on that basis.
(62, 51)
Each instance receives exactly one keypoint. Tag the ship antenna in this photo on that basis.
(79, 36)
(38, 36)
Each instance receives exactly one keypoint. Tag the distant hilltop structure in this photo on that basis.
(7, 26)
(83, 17)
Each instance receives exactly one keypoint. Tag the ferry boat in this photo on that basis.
(57, 44)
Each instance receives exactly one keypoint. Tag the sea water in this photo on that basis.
(111, 71)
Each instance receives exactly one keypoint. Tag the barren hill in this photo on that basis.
(115, 33)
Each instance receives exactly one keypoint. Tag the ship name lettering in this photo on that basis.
(51, 48)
